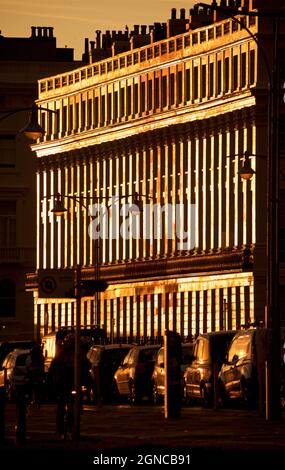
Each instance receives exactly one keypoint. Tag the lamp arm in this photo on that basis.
(41, 108)
(11, 113)
(30, 108)
(74, 198)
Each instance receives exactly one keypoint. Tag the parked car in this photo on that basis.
(159, 370)
(134, 376)
(52, 342)
(104, 361)
(14, 371)
(209, 349)
(8, 346)
(238, 377)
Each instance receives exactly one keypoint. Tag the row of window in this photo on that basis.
(7, 224)
(154, 92)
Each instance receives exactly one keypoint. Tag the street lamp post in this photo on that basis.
(59, 210)
(33, 131)
(272, 312)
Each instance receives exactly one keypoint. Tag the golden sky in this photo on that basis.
(74, 20)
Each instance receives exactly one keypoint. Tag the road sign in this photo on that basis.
(55, 283)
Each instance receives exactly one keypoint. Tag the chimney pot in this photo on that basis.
(33, 28)
(173, 13)
(182, 13)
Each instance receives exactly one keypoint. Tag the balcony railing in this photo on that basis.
(141, 55)
(17, 255)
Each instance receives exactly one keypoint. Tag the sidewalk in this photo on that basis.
(228, 436)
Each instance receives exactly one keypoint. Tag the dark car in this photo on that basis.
(134, 376)
(13, 371)
(104, 361)
(238, 377)
(8, 346)
(159, 371)
(209, 349)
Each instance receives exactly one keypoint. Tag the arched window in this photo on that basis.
(7, 298)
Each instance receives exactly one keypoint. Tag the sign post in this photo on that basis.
(172, 377)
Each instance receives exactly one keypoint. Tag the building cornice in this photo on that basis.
(238, 260)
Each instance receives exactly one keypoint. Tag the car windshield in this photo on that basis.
(240, 347)
(147, 355)
(114, 356)
(187, 355)
(21, 360)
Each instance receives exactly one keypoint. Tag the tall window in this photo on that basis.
(211, 79)
(243, 69)
(7, 224)
(7, 151)
(164, 91)
(179, 87)
(252, 67)
(7, 298)
(171, 89)
(226, 75)
(195, 83)
(142, 97)
(204, 81)
(187, 84)
(219, 77)
(235, 72)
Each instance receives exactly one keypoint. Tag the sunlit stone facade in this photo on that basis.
(170, 120)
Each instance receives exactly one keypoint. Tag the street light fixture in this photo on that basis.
(33, 130)
(246, 172)
(58, 209)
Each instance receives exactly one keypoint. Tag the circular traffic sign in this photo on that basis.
(48, 284)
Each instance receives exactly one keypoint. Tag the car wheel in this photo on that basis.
(205, 398)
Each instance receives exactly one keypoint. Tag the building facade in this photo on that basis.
(22, 62)
(169, 118)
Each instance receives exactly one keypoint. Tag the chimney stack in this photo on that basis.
(98, 39)
(86, 47)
